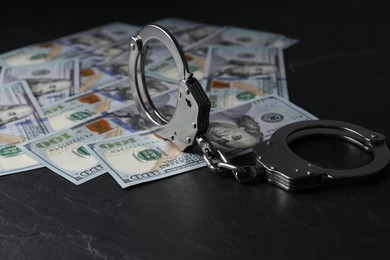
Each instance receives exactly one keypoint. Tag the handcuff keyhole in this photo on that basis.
(188, 103)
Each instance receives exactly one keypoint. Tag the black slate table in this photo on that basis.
(339, 70)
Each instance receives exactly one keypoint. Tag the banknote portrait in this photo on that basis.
(37, 53)
(165, 105)
(244, 67)
(194, 34)
(155, 86)
(14, 112)
(115, 50)
(239, 133)
(131, 118)
(201, 50)
(245, 71)
(115, 68)
(234, 129)
(44, 86)
(91, 40)
(121, 92)
(217, 39)
(21, 58)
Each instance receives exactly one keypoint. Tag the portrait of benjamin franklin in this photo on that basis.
(41, 87)
(91, 40)
(11, 113)
(240, 133)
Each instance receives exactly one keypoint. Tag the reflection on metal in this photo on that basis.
(190, 118)
(286, 169)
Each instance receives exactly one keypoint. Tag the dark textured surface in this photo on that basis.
(339, 70)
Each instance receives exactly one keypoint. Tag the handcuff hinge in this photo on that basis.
(219, 163)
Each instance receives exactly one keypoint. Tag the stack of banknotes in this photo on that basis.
(67, 104)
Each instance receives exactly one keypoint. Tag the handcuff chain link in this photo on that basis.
(219, 163)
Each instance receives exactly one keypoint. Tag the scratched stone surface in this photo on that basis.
(338, 70)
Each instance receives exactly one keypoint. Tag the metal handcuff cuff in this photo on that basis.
(275, 161)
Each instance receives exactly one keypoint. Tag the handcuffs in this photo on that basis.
(275, 161)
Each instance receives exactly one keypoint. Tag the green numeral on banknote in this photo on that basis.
(54, 109)
(9, 151)
(245, 96)
(118, 143)
(78, 116)
(54, 140)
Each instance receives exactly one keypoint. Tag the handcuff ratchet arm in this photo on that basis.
(193, 105)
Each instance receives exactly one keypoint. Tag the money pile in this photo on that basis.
(67, 104)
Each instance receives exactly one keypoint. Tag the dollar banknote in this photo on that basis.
(111, 52)
(236, 129)
(225, 36)
(114, 59)
(21, 119)
(106, 99)
(186, 32)
(50, 82)
(236, 74)
(38, 53)
(139, 158)
(119, 67)
(236, 36)
(64, 153)
(70, 46)
(167, 68)
(99, 36)
(94, 78)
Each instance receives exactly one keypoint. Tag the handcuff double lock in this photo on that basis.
(275, 161)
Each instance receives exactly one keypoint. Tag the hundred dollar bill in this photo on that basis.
(99, 36)
(111, 52)
(50, 82)
(225, 36)
(236, 129)
(21, 119)
(118, 53)
(118, 64)
(236, 74)
(94, 77)
(139, 158)
(64, 153)
(118, 67)
(236, 36)
(108, 98)
(234, 93)
(187, 32)
(136, 158)
(69, 46)
(166, 68)
(38, 53)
